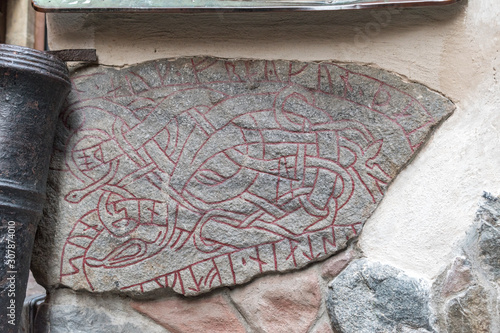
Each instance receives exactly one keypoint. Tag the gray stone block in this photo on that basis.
(70, 312)
(469, 313)
(370, 297)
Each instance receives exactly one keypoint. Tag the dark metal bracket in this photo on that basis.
(183, 6)
(83, 55)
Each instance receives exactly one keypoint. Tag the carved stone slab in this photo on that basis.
(199, 173)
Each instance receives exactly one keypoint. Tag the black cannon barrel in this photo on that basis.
(33, 87)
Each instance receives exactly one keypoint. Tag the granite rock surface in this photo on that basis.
(199, 173)
(71, 312)
(371, 297)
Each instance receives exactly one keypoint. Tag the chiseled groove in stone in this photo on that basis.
(198, 173)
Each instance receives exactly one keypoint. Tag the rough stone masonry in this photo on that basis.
(199, 173)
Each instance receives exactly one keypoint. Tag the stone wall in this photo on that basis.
(426, 259)
(346, 293)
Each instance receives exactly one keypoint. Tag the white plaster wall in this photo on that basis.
(453, 49)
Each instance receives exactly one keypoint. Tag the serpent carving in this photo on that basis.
(208, 183)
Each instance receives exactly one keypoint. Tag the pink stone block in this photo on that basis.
(184, 315)
(280, 303)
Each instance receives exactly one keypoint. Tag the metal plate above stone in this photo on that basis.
(198, 173)
(224, 5)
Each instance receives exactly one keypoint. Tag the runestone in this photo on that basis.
(196, 173)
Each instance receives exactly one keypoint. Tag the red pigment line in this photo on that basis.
(310, 245)
(76, 270)
(195, 72)
(71, 243)
(318, 85)
(330, 81)
(275, 258)
(292, 253)
(142, 79)
(180, 282)
(212, 280)
(362, 182)
(257, 259)
(130, 86)
(232, 268)
(162, 83)
(175, 279)
(196, 282)
(298, 71)
(377, 182)
(208, 275)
